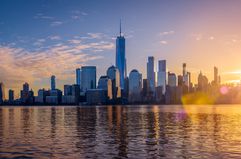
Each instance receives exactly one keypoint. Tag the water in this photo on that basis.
(121, 132)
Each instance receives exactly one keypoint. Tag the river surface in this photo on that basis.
(171, 131)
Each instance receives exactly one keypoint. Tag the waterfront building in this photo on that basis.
(161, 78)
(106, 84)
(88, 77)
(151, 73)
(71, 94)
(172, 80)
(135, 86)
(114, 74)
(26, 95)
(78, 77)
(180, 80)
(67, 90)
(202, 82)
(96, 96)
(10, 96)
(55, 97)
(2, 93)
(53, 84)
(121, 58)
(42, 94)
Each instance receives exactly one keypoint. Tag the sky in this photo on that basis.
(40, 38)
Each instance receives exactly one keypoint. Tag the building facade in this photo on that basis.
(161, 78)
(135, 86)
(121, 58)
(151, 73)
(88, 78)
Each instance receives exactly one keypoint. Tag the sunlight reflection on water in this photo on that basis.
(194, 131)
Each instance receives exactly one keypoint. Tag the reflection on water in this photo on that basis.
(120, 132)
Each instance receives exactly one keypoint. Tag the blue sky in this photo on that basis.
(40, 38)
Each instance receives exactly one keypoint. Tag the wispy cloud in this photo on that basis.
(22, 65)
(76, 14)
(54, 37)
(211, 38)
(235, 72)
(42, 16)
(197, 37)
(56, 23)
(167, 33)
(39, 42)
(163, 42)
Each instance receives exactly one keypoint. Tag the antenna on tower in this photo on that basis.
(120, 27)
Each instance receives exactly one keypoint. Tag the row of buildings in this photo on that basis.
(116, 87)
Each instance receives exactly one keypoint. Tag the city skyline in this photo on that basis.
(70, 40)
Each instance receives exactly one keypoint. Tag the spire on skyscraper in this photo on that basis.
(120, 27)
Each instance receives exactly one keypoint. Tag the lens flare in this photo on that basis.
(224, 90)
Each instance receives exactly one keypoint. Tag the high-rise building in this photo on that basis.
(180, 80)
(78, 77)
(88, 77)
(185, 75)
(161, 78)
(202, 82)
(10, 96)
(121, 58)
(2, 93)
(53, 84)
(135, 86)
(114, 74)
(27, 96)
(67, 90)
(42, 94)
(151, 72)
(217, 79)
(172, 80)
(105, 83)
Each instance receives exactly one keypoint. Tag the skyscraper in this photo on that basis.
(202, 82)
(216, 76)
(172, 79)
(27, 96)
(161, 79)
(186, 80)
(151, 73)
(53, 84)
(105, 83)
(121, 58)
(10, 96)
(78, 77)
(2, 93)
(88, 77)
(135, 86)
(114, 74)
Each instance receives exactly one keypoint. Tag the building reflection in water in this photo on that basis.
(120, 132)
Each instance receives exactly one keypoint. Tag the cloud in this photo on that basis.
(211, 38)
(197, 37)
(74, 41)
(84, 13)
(56, 23)
(76, 14)
(167, 33)
(235, 72)
(75, 17)
(39, 42)
(42, 16)
(163, 42)
(95, 35)
(55, 37)
(20, 65)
